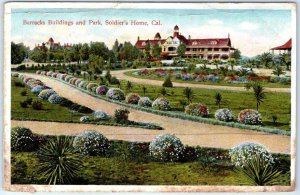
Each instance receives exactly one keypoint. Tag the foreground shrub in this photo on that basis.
(100, 115)
(166, 148)
(115, 94)
(23, 93)
(46, 93)
(91, 143)
(84, 119)
(197, 109)
(37, 89)
(19, 84)
(22, 139)
(167, 82)
(24, 104)
(85, 110)
(242, 153)
(161, 104)
(121, 115)
(132, 98)
(55, 99)
(90, 86)
(145, 102)
(58, 161)
(250, 117)
(37, 105)
(102, 90)
(66, 103)
(224, 114)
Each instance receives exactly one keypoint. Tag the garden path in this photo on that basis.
(191, 133)
(120, 75)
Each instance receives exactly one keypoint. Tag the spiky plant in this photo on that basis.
(188, 93)
(259, 93)
(259, 172)
(128, 86)
(58, 161)
(218, 99)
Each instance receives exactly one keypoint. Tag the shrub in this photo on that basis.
(23, 93)
(197, 109)
(84, 119)
(145, 102)
(37, 105)
(29, 101)
(114, 81)
(121, 115)
(22, 139)
(250, 117)
(224, 114)
(83, 84)
(166, 147)
(55, 99)
(102, 90)
(167, 82)
(37, 89)
(132, 98)
(161, 104)
(66, 103)
(242, 153)
(46, 93)
(85, 110)
(90, 86)
(115, 94)
(91, 143)
(100, 115)
(24, 104)
(19, 84)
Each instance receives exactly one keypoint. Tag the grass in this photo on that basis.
(221, 83)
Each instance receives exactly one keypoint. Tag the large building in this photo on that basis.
(51, 45)
(212, 48)
(285, 48)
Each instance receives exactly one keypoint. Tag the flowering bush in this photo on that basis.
(115, 94)
(82, 84)
(100, 115)
(37, 89)
(15, 74)
(91, 143)
(84, 119)
(38, 72)
(246, 151)
(46, 93)
(121, 115)
(49, 74)
(73, 81)
(197, 109)
(54, 75)
(166, 147)
(132, 98)
(102, 90)
(68, 78)
(224, 114)
(77, 82)
(145, 102)
(250, 117)
(55, 99)
(27, 79)
(90, 86)
(161, 104)
(22, 139)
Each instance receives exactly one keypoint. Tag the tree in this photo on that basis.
(129, 86)
(218, 99)
(163, 92)
(181, 50)
(278, 70)
(259, 93)
(285, 59)
(236, 55)
(188, 93)
(250, 63)
(216, 62)
(39, 54)
(147, 50)
(156, 50)
(204, 62)
(129, 52)
(99, 49)
(232, 62)
(265, 59)
(144, 90)
(84, 52)
(18, 53)
(108, 75)
(167, 82)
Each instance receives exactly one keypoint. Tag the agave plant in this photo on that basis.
(59, 162)
(260, 172)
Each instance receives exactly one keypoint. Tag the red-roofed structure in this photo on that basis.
(211, 48)
(51, 45)
(287, 47)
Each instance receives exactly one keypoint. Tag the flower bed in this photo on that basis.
(197, 109)
(250, 117)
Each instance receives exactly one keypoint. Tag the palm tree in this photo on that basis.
(265, 59)
(188, 93)
(232, 62)
(259, 93)
(250, 63)
(58, 161)
(278, 70)
(285, 59)
(129, 86)
(216, 62)
(144, 90)
(218, 98)
(163, 92)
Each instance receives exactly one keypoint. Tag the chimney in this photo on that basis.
(138, 38)
(189, 37)
(228, 35)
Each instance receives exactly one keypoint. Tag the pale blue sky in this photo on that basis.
(252, 31)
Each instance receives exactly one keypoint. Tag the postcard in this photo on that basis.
(149, 97)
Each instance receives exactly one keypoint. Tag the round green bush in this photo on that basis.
(22, 139)
(91, 143)
(166, 147)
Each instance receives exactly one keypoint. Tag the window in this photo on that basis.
(194, 43)
(213, 42)
(144, 43)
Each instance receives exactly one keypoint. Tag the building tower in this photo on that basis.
(176, 31)
(157, 37)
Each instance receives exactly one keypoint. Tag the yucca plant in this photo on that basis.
(58, 161)
(259, 172)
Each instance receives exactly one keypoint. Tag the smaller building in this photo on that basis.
(285, 48)
(51, 45)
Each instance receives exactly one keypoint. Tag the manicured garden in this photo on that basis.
(90, 158)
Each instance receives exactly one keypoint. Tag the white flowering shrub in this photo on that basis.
(38, 72)
(46, 93)
(132, 98)
(224, 114)
(83, 84)
(115, 94)
(246, 151)
(161, 104)
(100, 115)
(49, 74)
(54, 75)
(145, 102)
(102, 89)
(61, 76)
(22, 139)
(77, 82)
(37, 89)
(250, 117)
(166, 147)
(84, 119)
(68, 78)
(90, 86)
(91, 143)
(55, 99)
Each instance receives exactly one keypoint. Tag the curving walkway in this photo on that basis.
(120, 75)
(191, 133)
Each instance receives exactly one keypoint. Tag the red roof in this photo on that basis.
(50, 40)
(139, 43)
(286, 46)
(176, 28)
(157, 36)
(211, 42)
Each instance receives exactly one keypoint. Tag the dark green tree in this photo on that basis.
(181, 50)
(218, 99)
(167, 82)
(18, 53)
(259, 93)
(188, 93)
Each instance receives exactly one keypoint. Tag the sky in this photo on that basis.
(251, 31)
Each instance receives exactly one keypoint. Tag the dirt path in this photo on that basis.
(191, 133)
(120, 75)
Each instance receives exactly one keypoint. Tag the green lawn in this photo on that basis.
(221, 83)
